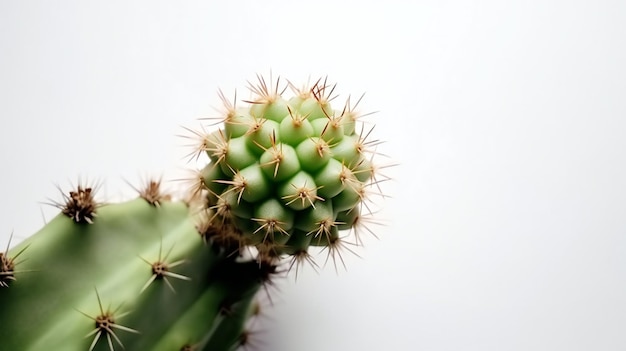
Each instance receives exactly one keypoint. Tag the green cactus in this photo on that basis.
(285, 175)
(287, 172)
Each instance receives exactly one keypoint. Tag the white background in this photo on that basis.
(506, 227)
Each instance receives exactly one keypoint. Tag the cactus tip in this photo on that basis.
(80, 205)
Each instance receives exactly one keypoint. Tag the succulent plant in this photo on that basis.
(288, 173)
(285, 174)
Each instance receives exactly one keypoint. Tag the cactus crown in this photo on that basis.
(286, 172)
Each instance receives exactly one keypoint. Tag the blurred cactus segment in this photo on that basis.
(127, 277)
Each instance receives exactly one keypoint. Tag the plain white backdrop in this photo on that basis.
(506, 229)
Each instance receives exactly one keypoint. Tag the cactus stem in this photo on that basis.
(105, 325)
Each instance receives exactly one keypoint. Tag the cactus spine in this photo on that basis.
(285, 174)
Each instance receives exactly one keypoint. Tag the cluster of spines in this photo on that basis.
(7, 269)
(80, 205)
(286, 174)
(8, 265)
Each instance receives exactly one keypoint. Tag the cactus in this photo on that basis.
(288, 173)
(284, 175)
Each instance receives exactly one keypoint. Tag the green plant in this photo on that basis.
(154, 273)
